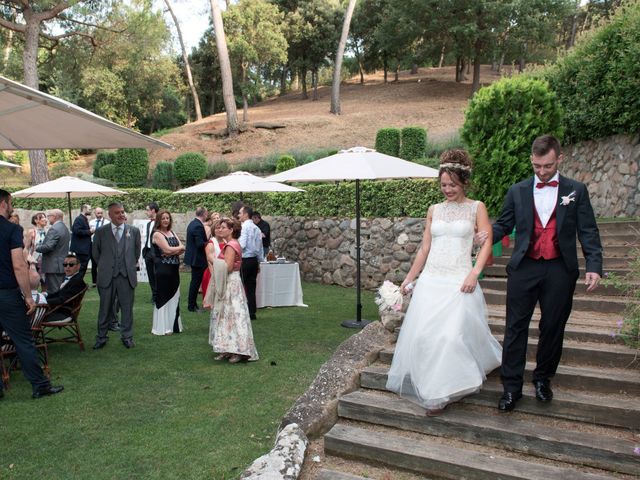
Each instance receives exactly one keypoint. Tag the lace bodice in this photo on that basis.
(452, 230)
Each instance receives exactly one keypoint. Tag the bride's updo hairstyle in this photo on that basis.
(457, 163)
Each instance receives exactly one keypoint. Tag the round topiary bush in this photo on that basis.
(107, 171)
(103, 158)
(189, 168)
(388, 141)
(285, 162)
(501, 122)
(132, 167)
(162, 177)
(413, 143)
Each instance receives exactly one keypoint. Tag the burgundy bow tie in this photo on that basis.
(552, 183)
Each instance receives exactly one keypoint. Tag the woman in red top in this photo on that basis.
(212, 250)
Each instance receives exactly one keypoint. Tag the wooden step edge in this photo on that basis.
(429, 456)
(592, 335)
(497, 431)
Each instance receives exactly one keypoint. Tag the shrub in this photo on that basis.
(59, 170)
(108, 172)
(19, 157)
(132, 167)
(103, 158)
(61, 155)
(629, 285)
(90, 178)
(388, 141)
(189, 168)
(501, 122)
(413, 143)
(162, 177)
(285, 162)
(597, 83)
(218, 169)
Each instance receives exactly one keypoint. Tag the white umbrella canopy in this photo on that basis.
(67, 187)
(239, 182)
(8, 164)
(355, 164)
(33, 120)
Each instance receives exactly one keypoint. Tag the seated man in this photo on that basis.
(70, 287)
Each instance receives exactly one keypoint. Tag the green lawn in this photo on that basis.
(165, 409)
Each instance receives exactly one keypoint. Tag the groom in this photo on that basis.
(548, 211)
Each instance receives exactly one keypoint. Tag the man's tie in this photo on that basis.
(98, 223)
(118, 233)
(552, 183)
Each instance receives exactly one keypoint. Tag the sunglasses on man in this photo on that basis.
(69, 264)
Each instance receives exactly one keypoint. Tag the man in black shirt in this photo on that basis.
(265, 228)
(16, 303)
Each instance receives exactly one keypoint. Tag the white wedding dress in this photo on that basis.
(445, 347)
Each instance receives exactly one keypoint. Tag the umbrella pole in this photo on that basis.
(358, 322)
(69, 206)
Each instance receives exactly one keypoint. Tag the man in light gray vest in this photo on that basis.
(116, 249)
(54, 248)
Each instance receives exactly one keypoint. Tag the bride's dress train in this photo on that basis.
(445, 347)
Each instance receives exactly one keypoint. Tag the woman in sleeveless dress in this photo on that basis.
(213, 248)
(167, 249)
(445, 347)
(230, 331)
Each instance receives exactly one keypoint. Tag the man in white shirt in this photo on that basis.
(252, 254)
(94, 225)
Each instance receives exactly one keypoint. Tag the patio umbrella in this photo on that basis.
(239, 182)
(355, 164)
(67, 187)
(33, 120)
(8, 165)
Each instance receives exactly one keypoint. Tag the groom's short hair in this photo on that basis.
(544, 144)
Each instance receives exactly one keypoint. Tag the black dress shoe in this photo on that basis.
(99, 344)
(508, 401)
(253, 317)
(128, 342)
(114, 327)
(48, 390)
(543, 390)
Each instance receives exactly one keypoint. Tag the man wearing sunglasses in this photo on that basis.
(72, 285)
(81, 237)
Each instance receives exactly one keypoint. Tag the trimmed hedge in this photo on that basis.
(285, 162)
(501, 122)
(413, 143)
(162, 177)
(103, 158)
(391, 198)
(189, 168)
(107, 172)
(132, 167)
(388, 141)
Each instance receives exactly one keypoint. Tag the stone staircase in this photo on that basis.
(588, 431)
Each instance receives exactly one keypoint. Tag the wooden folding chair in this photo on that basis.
(68, 325)
(8, 355)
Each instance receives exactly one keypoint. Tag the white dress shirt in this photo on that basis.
(251, 241)
(545, 199)
(96, 223)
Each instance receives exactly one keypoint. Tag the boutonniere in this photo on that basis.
(567, 199)
(128, 234)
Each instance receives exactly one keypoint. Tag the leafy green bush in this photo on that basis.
(90, 178)
(61, 155)
(388, 141)
(254, 165)
(162, 177)
(597, 83)
(189, 168)
(103, 158)
(501, 122)
(413, 143)
(132, 167)
(629, 285)
(285, 162)
(60, 170)
(218, 169)
(108, 172)
(19, 158)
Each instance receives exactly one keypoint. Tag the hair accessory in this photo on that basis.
(455, 166)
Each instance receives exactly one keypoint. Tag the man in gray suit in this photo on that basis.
(54, 249)
(116, 249)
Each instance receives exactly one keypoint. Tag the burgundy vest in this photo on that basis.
(544, 240)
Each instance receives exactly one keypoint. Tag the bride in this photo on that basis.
(445, 347)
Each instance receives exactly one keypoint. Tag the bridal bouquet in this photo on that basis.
(389, 297)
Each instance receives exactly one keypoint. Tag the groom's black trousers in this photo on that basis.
(549, 283)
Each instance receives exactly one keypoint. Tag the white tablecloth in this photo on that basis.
(279, 285)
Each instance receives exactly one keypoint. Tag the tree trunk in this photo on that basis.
(283, 79)
(303, 80)
(475, 85)
(187, 67)
(414, 68)
(522, 62)
(335, 86)
(385, 68)
(458, 68)
(469, 66)
(441, 62)
(245, 104)
(314, 81)
(225, 70)
(396, 77)
(572, 37)
(7, 50)
(501, 62)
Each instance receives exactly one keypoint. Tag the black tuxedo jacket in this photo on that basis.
(575, 218)
(194, 254)
(81, 236)
(74, 286)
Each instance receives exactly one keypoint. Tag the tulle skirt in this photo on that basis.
(445, 348)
